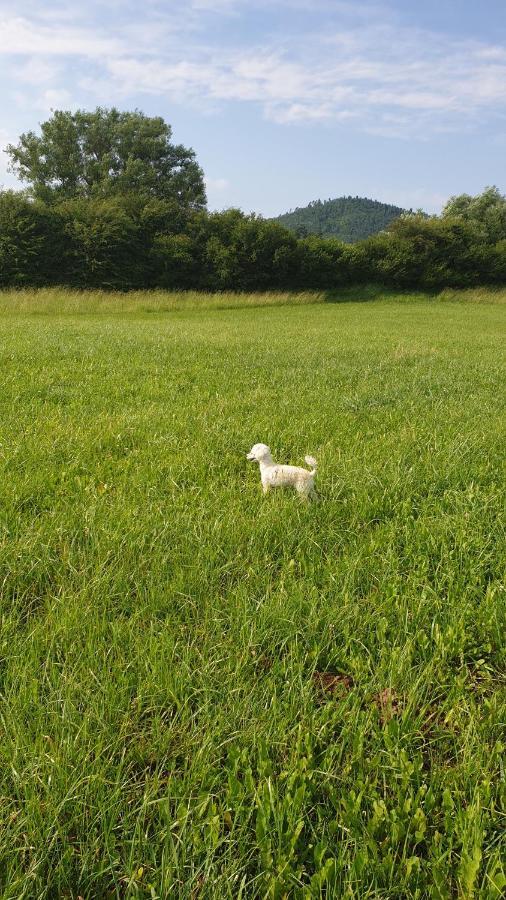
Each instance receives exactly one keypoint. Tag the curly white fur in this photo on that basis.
(274, 475)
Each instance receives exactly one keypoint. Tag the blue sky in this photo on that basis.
(283, 102)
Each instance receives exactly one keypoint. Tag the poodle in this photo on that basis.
(274, 475)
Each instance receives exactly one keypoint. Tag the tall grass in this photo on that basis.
(60, 301)
(207, 693)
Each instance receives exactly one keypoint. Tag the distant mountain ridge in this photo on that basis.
(348, 218)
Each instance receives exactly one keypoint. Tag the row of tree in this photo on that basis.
(115, 243)
(112, 203)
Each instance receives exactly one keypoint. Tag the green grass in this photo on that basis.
(163, 731)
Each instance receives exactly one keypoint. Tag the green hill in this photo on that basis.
(347, 218)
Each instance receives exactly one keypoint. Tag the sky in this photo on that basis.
(283, 101)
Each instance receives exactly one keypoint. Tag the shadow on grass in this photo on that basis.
(368, 292)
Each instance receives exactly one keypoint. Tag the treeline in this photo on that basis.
(348, 218)
(112, 202)
(121, 243)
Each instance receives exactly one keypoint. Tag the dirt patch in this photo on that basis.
(333, 684)
(388, 703)
(262, 661)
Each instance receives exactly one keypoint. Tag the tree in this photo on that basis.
(107, 153)
(486, 212)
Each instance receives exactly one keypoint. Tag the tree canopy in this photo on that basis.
(486, 212)
(107, 153)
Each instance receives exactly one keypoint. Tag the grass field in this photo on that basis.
(210, 694)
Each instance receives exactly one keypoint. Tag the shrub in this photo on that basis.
(29, 240)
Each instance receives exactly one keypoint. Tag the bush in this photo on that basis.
(30, 236)
(431, 253)
(324, 263)
(102, 246)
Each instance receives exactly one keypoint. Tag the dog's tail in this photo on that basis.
(311, 461)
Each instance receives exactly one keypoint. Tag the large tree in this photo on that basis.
(107, 153)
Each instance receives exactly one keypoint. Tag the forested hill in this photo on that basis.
(347, 218)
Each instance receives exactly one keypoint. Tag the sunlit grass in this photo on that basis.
(163, 730)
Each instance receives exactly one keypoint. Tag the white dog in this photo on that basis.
(274, 475)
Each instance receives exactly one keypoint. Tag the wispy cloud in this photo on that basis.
(22, 36)
(441, 87)
(367, 71)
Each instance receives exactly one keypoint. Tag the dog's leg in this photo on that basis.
(266, 487)
(303, 492)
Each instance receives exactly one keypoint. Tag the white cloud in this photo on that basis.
(369, 72)
(22, 36)
(433, 84)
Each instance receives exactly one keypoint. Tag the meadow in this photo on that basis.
(208, 693)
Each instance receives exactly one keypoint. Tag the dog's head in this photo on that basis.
(259, 452)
